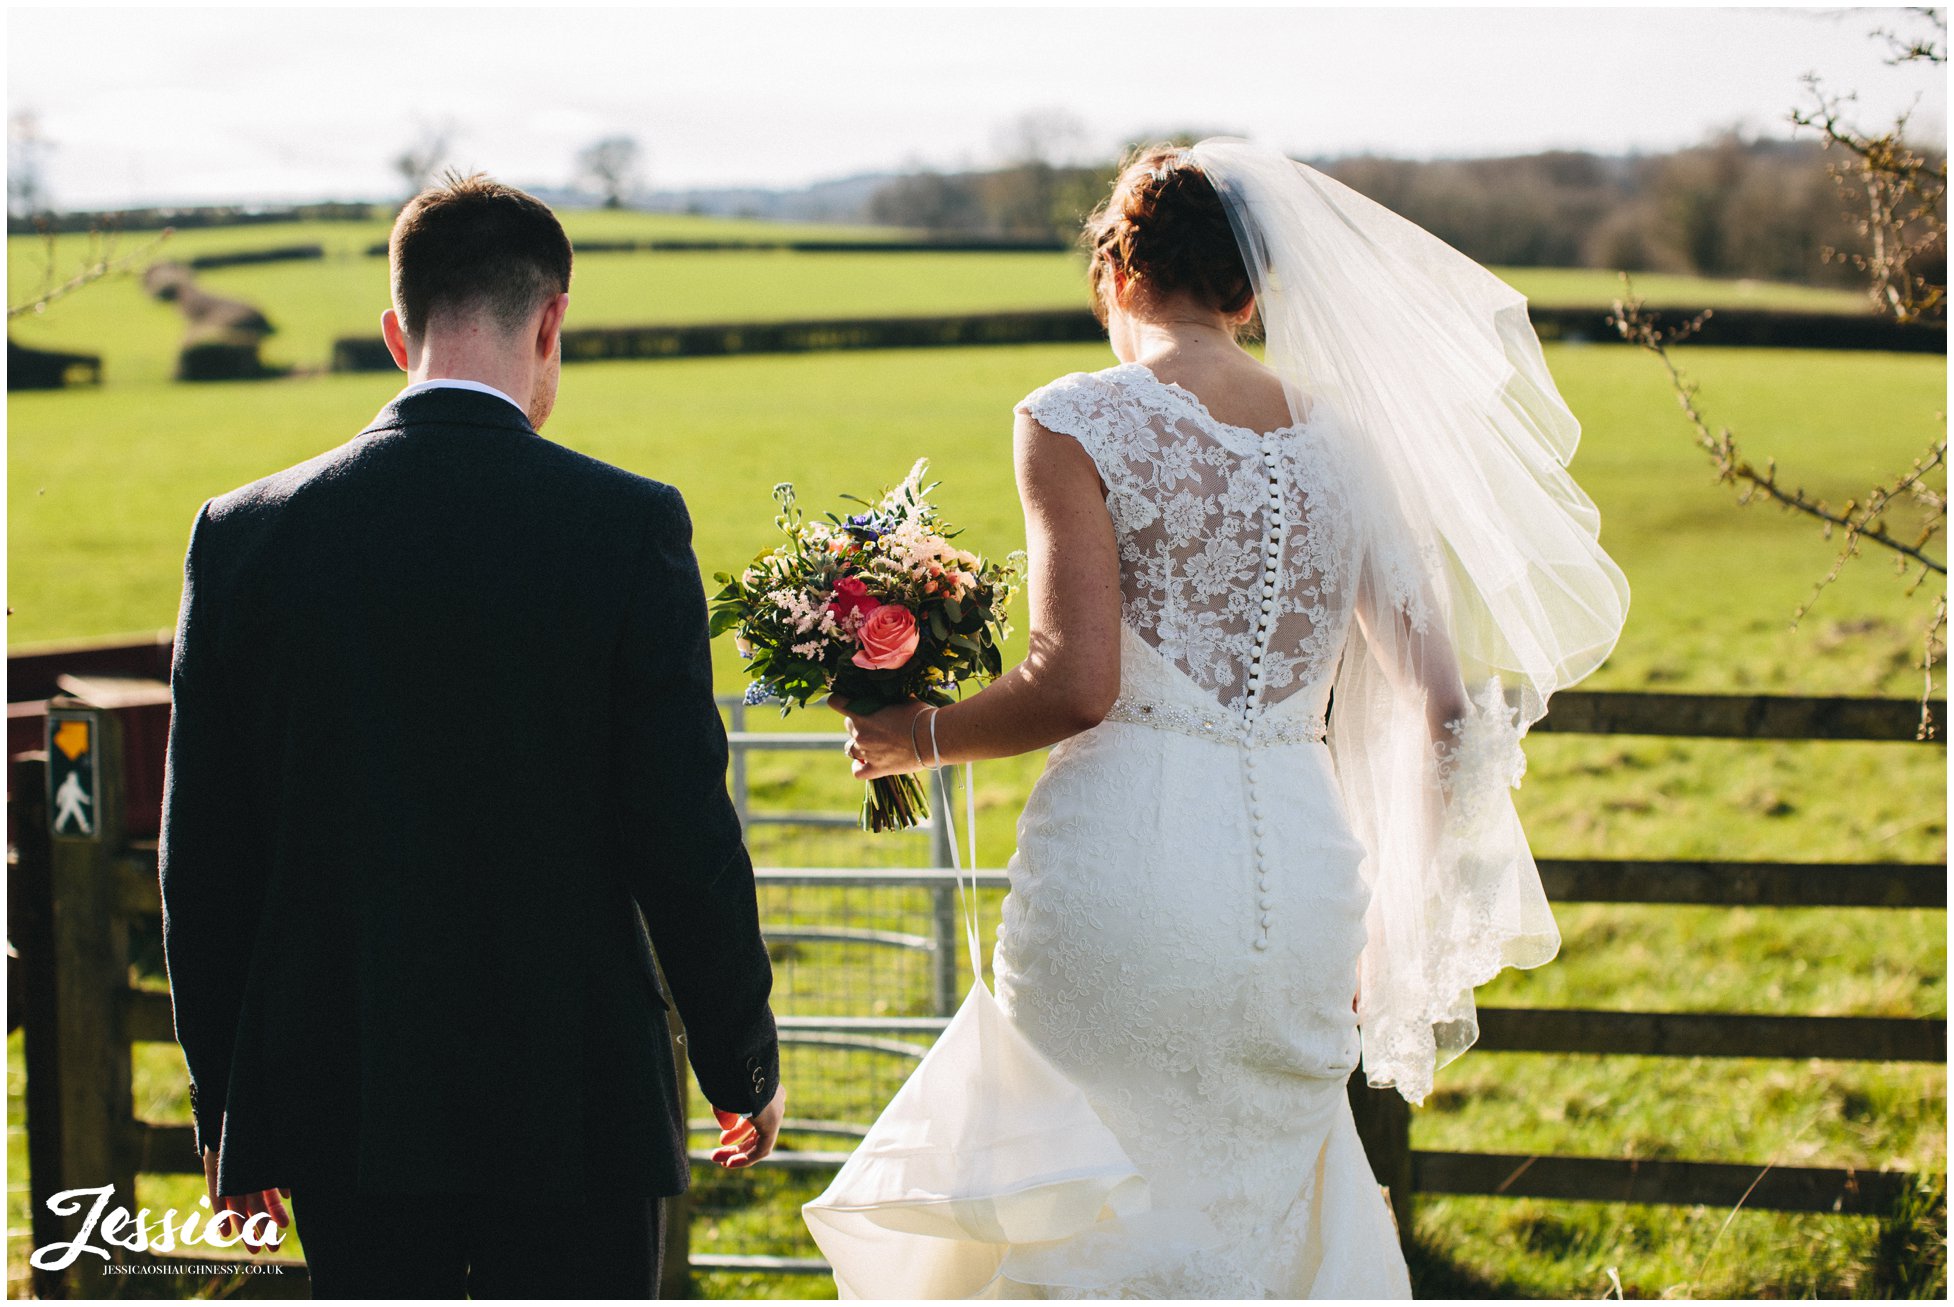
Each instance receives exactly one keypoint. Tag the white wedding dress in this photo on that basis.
(1153, 1105)
(1160, 1111)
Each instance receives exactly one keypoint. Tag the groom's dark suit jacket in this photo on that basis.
(443, 748)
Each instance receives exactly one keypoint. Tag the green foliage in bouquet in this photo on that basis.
(878, 608)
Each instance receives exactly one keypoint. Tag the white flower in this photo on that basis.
(799, 607)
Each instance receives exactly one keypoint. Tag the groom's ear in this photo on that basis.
(396, 338)
(550, 327)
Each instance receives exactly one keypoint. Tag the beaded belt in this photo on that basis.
(1217, 723)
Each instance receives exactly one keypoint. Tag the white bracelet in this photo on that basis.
(935, 752)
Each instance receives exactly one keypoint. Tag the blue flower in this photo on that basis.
(760, 692)
(870, 525)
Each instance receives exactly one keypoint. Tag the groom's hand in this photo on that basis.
(885, 742)
(745, 1140)
(234, 1211)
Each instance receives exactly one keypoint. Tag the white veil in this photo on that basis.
(1482, 588)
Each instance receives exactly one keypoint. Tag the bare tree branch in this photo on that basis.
(100, 263)
(1901, 198)
(1930, 48)
(1860, 520)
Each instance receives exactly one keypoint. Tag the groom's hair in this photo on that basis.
(472, 245)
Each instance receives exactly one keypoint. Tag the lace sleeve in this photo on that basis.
(1078, 406)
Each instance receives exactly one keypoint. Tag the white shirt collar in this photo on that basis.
(458, 383)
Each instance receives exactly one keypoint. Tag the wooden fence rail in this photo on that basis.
(1384, 1119)
(72, 902)
(1689, 1184)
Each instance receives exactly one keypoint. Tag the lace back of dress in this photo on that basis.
(1237, 551)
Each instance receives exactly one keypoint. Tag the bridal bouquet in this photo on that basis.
(878, 608)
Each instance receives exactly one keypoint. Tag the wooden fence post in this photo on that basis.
(30, 928)
(1384, 1124)
(675, 1268)
(90, 972)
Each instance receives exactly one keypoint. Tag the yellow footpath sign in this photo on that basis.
(74, 778)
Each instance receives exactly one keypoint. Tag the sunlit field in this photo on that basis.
(103, 485)
(312, 303)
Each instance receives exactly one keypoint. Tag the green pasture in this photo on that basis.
(313, 303)
(349, 237)
(103, 485)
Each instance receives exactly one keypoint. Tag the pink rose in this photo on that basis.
(888, 638)
(851, 597)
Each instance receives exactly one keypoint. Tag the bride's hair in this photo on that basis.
(1165, 230)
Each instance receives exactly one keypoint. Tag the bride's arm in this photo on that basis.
(1070, 676)
(1423, 663)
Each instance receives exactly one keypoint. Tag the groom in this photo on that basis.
(444, 767)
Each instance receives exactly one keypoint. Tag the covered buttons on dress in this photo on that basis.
(1264, 626)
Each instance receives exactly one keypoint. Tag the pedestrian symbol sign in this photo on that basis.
(73, 774)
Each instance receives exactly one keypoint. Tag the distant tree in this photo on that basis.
(1694, 189)
(1037, 193)
(1730, 207)
(928, 200)
(1050, 136)
(1020, 201)
(1623, 240)
(1023, 198)
(1734, 206)
(1785, 213)
(28, 200)
(27, 152)
(611, 167)
(424, 156)
(1078, 192)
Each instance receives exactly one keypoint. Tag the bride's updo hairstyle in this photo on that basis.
(1164, 229)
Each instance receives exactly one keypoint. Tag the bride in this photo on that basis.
(1290, 621)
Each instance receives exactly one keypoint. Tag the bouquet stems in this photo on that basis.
(894, 803)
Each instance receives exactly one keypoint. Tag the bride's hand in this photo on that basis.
(884, 743)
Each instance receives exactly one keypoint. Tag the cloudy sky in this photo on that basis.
(257, 103)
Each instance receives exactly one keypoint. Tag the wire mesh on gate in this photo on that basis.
(865, 971)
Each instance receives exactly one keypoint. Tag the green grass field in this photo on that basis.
(314, 303)
(103, 485)
(355, 236)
